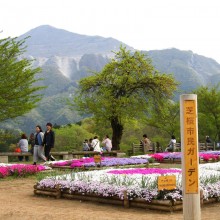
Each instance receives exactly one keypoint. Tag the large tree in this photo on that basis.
(17, 77)
(123, 90)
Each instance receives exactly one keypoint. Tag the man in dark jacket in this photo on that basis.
(49, 140)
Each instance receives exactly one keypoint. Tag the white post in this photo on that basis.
(190, 157)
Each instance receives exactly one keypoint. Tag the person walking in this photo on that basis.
(38, 147)
(31, 141)
(48, 142)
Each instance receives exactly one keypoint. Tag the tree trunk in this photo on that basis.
(117, 130)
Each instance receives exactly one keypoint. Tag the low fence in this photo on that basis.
(162, 205)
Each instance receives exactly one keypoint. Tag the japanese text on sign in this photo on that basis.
(166, 182)
(191, 148)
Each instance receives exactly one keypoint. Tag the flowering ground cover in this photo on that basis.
(19, 170)
(105, 162)
(206, 156)
(138, 183)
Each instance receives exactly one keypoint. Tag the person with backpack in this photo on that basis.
(96, 145)
(38, 145)
(48, 142)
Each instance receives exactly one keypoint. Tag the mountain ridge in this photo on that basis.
(46, 41)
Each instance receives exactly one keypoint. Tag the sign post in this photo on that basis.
(97, 160)
(190, 158)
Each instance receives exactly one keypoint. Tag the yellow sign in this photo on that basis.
(166, 182)
(190, 146)
(97, 158)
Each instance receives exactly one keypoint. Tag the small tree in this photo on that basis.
(17, 77)
(123, 90)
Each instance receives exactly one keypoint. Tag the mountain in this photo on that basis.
(190, 69)
(47, 41)
(66, 57)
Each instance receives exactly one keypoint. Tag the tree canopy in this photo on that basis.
(209, 111)
(126, 87)
(166, 117)
(17, 77)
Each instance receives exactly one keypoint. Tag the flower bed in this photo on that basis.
(105, 162)
(19, 170)
(130, 187)
(206, 156)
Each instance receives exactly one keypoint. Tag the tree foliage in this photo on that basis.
(17, 77)
(166, 117)
(209, 111)
(123, 90)
(71, 137)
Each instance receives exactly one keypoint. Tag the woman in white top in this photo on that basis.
(107, 143)
(23, 145)
(171, 145)
(96, 144)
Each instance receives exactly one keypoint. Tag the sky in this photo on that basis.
(143, 24)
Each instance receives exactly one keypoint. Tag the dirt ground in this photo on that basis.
(17, 201)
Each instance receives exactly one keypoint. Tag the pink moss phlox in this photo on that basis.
(20, 170)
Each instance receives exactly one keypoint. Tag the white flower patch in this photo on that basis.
(210, 166)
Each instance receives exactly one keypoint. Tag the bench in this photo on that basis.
(5, 155)
(206, 146)
(176, 147)
(138, 149)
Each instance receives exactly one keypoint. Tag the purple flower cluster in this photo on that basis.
(108, 162)
(101, 189)
(211, 190)
(178, 155)
(105, 161)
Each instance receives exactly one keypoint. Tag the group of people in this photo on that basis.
(41, 144)
(93, 144)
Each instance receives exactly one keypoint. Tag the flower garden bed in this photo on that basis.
(88, 163)
(130, 187)
(164, 205)
(19, 170)
(175, 157)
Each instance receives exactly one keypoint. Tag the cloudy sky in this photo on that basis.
(143, 24)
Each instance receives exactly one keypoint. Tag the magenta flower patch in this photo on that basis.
(19, 170)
